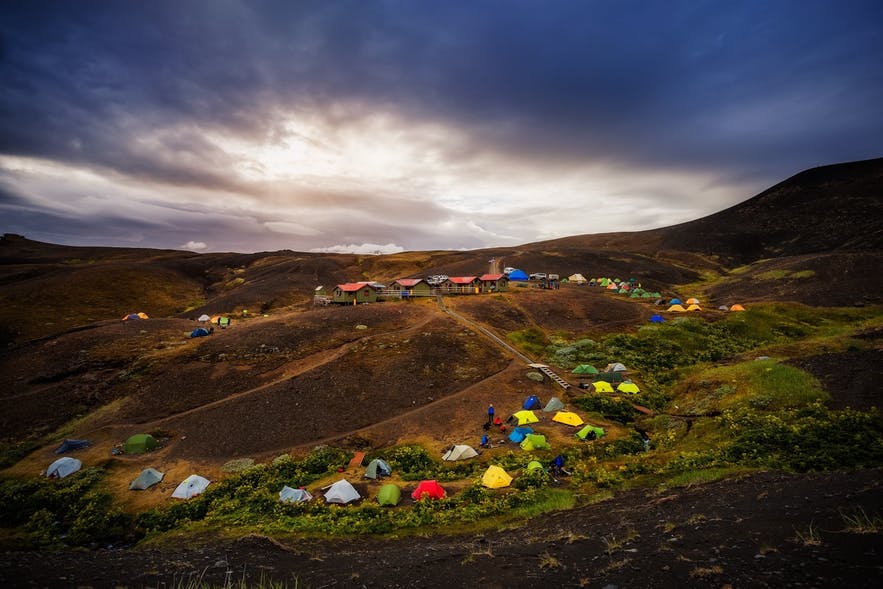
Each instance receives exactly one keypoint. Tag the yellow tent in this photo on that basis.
(216, 319)
(568, 417)
(694, 307)
(693, 301)
(495, 478)
(602, 387)
(677, 309)
(628, 387)
(524, 417)
(737, 307)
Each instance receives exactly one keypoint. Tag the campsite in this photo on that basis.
(735, 443)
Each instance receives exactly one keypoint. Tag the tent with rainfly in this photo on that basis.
(534, 465)
(532, 402)
(495, 478)
(675, 301)
(518, 276)
(525, 417)
(140, 443)
(70, 445)
(692, 301)
(737, 307)
(341, 492)
(389, 494)
(602, 386)
(694, 307)
(568, 418)
(615, 367)
(145, 480)
(590, 432)
(203, 318)
(676, 309)
(460, 452)
(378, 468)
(519, 433)
(428, 490)
(535, 442)
(657, 318)
(628, 387)
(577, 278)
(191, 487)
(199, 332)
(554, 404)
(289, 495)
(63, 467)
(585, 369)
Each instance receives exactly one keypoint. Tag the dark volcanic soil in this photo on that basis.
(852, 378)
(761, 530)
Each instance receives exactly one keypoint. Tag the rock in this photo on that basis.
(535, 376)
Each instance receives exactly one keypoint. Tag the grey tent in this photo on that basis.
(460, 452)
(145, 480)
(341, 492)
(289, 495)
(615, 367)
(63, 467)
(554, 404)
(377, 468)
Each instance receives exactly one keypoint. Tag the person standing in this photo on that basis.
(490, 413)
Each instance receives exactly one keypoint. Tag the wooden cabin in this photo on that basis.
(461, 285)
(353, 293)
(410, 287)
(493, 283)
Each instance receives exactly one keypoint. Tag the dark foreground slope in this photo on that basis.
(761, 530)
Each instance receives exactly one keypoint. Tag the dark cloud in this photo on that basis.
(743, 93)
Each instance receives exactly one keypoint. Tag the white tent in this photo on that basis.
(460, 452)
(341, 492)
(554, 404)
(577, 278)
(615, 367)
(63, 467)
(203, 318)
(191, 487)
(289, 495)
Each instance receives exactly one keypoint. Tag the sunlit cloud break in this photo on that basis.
(365, 248)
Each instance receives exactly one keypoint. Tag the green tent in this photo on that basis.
(535, 442)
(585, 369)
(145, 480)
(377, 468)
(584, 433)
(389, 494)
(533, 465)
(611, 377)
(140, 443)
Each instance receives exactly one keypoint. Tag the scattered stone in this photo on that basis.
(237, 465)
(535, 376)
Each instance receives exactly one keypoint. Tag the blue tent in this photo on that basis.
(516, 275)
(532, 402)
(675, 302)
(199, 332)
(69, 445)
(657, 318)
(519, 433)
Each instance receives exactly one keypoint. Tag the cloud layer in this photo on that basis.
(421, 125)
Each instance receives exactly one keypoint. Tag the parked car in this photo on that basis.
(508, 270)
(538, 276)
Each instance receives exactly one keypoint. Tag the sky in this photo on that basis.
(382, 126)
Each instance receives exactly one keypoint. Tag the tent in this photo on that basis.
(289, 495)
(535, 442)
(519, 433)
(737, 307)
(612, 286)
(341, 492)
(495, 478)
(389, 494)
(69, 445)
(199, 332)
(428, 490)
(577, 278)
(602, 386)
(586, 432)
(692, 301)
(524, 417)
(554, 404)
(460, 452)
(615, 367)
(568, 418)
(140, 443)
(145, 480)
(191, 487)
(532, 402)
(534, 465)
(63, 467)
(675, 302)
(676, 309)
(611, 377)
(518, 276)
(203, 318)
(694, 307)
(585, 369)
(657, 318)
(628, 387)
(215, 319)
(723, 308)
(378, 468)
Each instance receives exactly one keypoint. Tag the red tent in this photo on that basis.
(430, 489)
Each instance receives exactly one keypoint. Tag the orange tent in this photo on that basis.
(737, 307)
